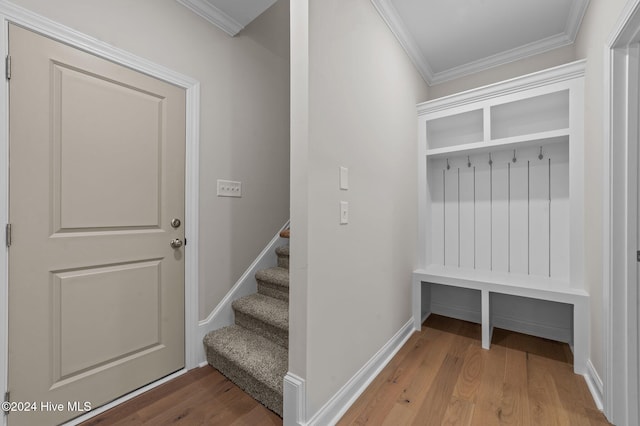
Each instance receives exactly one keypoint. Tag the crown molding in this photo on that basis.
(529, 81)
(574, 20)
(390, 15)
(214, 15)
(502, 58)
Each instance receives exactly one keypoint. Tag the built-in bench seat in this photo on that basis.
(488, 282)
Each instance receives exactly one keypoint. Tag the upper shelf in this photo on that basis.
(536, 120)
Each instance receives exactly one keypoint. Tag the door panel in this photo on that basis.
(96, 293)
(109, 182)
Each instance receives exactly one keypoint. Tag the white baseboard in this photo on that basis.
(335, 408)
(295, 403)
(546, 331)
(594, 382)
(459, 312)
(222, 315)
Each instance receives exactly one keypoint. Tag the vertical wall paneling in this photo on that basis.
(451, 214)
(482, 211)
(505, 216)
(519, 213)
(500, 211)
(539, 214)
(467, 215)
(436, 188)
(560, 222)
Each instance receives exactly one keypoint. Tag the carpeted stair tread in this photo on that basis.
(272, 311)
(276, 276)
(253, 362)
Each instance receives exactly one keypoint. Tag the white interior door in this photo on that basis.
(96, 290)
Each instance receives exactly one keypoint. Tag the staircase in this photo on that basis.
(253, 353)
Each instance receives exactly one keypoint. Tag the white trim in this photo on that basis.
(574, 20)
(620, 291)
(214, 15)
(518, 84)
(222, 315)
(27, 19)
(594, 383)
(512, 55)
(335, 408)
(123, 399)
(294, 398)
(390, 16)
(393, 20)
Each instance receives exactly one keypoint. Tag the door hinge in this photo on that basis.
(7, 65)
(7, 398)
(638, 255)
(8, 234)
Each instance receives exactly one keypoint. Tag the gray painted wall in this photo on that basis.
(244, 118)
(362, 95)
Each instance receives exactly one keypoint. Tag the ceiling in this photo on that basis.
(445, 39)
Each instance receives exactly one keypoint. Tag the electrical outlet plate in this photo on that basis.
(229, 188)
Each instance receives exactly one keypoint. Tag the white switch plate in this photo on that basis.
(229, 188)
(344, 178)
(344, 212)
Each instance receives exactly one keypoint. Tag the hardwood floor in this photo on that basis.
(202, 396)
(442, 376)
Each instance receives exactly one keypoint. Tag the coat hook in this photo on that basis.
(514, 156)
(540, 156)
(468, 161)
(490, 160)
(448, 166)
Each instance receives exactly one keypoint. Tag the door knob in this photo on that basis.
(177, 243)
(175, 223)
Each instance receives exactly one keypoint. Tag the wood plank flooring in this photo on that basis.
(202, 396)
(442, 376)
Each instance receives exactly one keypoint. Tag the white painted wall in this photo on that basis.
(596, 27)
(244, 123)
(362, 94)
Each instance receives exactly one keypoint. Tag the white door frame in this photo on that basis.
(10, 13)
(620, 215)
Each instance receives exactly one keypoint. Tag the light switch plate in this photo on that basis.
(229, 188)
(344, 178)
(344, 212)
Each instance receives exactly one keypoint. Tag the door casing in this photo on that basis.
(620, 218)
(10, 13)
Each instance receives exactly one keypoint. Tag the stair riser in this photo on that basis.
(283, 262)
(267, 396)
(271, 290)
(268, 331)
